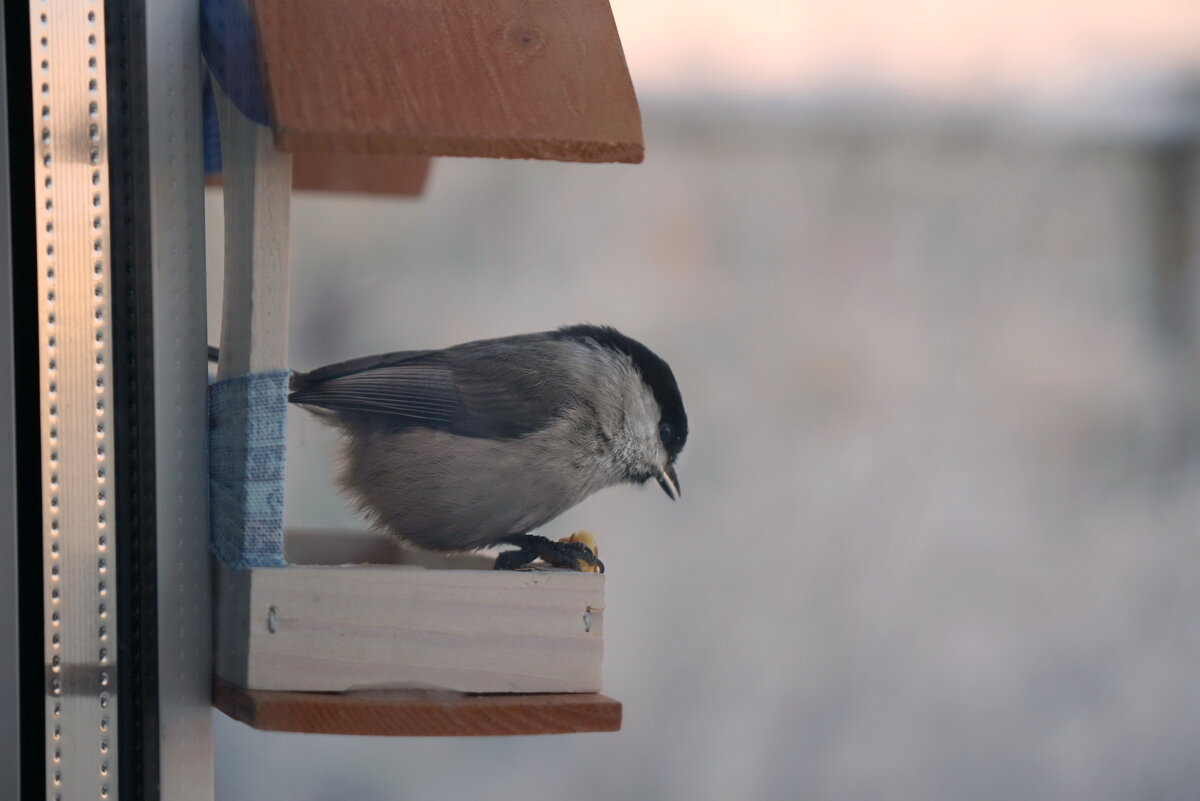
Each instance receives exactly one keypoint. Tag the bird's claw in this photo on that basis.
(569, 555)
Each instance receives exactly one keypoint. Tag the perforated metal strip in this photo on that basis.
(71, 183)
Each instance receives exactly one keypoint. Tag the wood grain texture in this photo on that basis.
(541, 79)
(360, 627)
(418, 714)
(257, 191)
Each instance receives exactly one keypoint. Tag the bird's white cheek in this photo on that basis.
(651, 453)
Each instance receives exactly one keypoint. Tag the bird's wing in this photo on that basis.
(497, 393)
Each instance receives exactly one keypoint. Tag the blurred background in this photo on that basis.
(925, 274)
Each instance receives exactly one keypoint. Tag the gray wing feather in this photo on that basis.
(501, 390)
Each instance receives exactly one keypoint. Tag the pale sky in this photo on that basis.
(940, 46)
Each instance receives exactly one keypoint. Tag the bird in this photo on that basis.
(479, 444)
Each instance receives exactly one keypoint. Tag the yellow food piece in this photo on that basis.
(588, 540)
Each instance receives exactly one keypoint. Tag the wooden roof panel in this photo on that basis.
(539, 79)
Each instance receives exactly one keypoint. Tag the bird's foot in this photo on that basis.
(571, 555)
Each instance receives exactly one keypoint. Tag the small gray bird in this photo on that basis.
(478, 444)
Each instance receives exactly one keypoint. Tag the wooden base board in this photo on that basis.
(354, 613)
(408, 713)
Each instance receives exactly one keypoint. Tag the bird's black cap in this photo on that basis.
(673, 427)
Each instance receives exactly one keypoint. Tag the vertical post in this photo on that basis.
(247, 416)
(257, 188)
(173, 83)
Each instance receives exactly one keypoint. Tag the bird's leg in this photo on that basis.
(514, 560)
(558, 554)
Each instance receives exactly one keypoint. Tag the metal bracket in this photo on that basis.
(67, 51)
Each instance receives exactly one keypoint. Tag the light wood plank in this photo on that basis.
(418, 714)
(257, 189)
(374, 626)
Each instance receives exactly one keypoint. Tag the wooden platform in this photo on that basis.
(410, 713)
(357, 627)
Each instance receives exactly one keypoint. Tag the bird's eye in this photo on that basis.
(665, 432)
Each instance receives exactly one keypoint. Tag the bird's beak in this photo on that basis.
(669, 482)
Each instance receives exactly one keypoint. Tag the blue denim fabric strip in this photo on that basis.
(230, 48)
(212, 129)
(247, 421)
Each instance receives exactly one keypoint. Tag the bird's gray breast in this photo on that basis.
(446, 492)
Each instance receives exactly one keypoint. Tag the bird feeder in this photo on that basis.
(345, 633)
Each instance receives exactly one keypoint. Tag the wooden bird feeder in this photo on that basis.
(344, 633)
